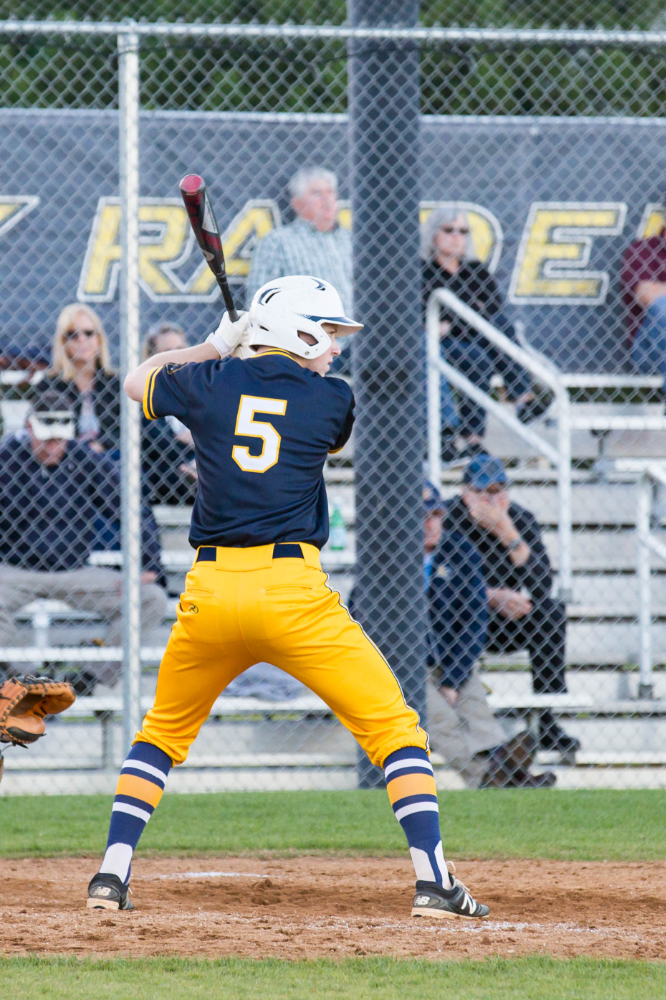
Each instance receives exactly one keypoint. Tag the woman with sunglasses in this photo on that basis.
(448, 262)
(81, 371)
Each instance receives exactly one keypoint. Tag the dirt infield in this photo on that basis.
(310, 907)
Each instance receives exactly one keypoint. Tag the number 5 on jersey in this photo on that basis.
(247, 426)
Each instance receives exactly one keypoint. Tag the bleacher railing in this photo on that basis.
(647, 472)
(559, 457)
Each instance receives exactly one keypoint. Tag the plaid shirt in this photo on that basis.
(300, 248)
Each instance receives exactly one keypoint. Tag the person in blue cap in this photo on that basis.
(461, 724)
(519, 581)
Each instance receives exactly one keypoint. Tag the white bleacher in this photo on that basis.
(602, 642)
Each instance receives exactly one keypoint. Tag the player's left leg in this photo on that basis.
(205, 652)
(307, 632)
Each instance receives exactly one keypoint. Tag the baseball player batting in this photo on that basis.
(263, 420)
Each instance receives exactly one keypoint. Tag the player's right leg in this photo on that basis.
(204, 654)
(308, 633)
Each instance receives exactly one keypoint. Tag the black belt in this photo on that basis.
(281, 550)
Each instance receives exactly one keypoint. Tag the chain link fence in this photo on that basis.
(536, 187)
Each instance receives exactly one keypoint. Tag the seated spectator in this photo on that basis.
(448, 262)
(51, 490)
(461, 725)
(643, 282)
(167, 446)
(29, 360)
(523, 615)
(81, 372)
(314, 243)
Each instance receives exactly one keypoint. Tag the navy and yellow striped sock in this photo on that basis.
(410, 783)
(139, 790)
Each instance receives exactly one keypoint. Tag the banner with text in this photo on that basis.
(552, 204)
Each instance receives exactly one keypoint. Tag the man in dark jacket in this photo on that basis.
(51, 491)
(461, 724)
(523, 615)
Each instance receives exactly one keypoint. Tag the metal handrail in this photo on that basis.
(646, 544)
(312, 32)
(559, 457)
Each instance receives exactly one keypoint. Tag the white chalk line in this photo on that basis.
(150, 878)
(467, 927)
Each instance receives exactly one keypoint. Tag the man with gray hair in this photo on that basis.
(314, 243)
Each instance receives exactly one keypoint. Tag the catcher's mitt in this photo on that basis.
(25, 701)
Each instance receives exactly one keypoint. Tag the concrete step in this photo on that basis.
(616, 593)
(584, 444)
(594, 550)
(602, 503)
(591, 642)
(593, 637)
(600, 643)
(593, 503)
(596, 685)
(601, 550)
(499, 440)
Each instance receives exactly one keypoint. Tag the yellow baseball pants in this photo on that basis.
(243, 606)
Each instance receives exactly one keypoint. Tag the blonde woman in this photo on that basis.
(81, 371)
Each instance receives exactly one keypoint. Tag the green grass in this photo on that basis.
(576, 825)
(533, 978)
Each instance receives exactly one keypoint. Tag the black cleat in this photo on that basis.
(532, 409)
(107, 892)
(552, 737)
(431, 900)
(555, 739)
(526, 780)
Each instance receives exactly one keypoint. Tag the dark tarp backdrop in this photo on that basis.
(553, 204)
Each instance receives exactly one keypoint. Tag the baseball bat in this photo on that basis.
(203, 222)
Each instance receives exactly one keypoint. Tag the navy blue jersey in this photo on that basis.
(262, 429)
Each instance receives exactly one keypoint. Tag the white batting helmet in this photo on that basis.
(298, 303)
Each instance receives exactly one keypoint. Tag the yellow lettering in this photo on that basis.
(165, 230)
(166, 245)
(344, 214)
(253, 222)
(7, 209)
(13, 209)
(99, 274)
(554, 253)
(652, 221)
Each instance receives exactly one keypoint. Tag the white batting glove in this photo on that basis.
(243, 350)
(228, 335)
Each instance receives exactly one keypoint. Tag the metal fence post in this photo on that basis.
(433, 392)
(389, 353)
(564, 515)
(645, 686)
(128, 73)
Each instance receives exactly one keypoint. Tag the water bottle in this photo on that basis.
(338, 530)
